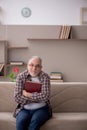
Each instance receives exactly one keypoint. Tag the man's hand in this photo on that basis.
(27, 94)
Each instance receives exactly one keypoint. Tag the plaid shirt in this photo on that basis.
(43, 96)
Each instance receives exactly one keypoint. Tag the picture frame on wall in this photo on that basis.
(83, 15)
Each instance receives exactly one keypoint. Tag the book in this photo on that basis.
(32, 86)
(62, 32)
(65, 31)
(59, 31)
(56, 75)
(16, 63)
(60, 37)
(68, 32)
(56, 81)
(1, 66)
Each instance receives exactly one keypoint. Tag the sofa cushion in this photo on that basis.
(7, 121)
(59, 121)
(66, 121)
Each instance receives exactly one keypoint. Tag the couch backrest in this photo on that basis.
(65, 97)
(69, 97)
(7, 102)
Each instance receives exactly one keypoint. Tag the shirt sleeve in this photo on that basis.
(19, 98)
(44, 95)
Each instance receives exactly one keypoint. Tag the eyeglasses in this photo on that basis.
(36, 66)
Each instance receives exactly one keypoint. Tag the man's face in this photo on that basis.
(34, 67)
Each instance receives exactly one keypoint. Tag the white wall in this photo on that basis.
(66, 56)
(44, 12)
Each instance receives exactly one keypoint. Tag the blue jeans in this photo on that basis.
(33, 119)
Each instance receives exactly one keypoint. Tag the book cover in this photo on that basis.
(62, 32)
(56, 81)
(68, 32)
(16, 62)
(32, 86)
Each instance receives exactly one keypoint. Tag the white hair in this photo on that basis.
(35, 57)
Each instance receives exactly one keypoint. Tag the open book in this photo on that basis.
(32, 86)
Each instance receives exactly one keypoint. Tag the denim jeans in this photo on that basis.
(33, 119)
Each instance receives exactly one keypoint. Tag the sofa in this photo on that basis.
(69, 105)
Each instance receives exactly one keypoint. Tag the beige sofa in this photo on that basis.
(69, 103)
